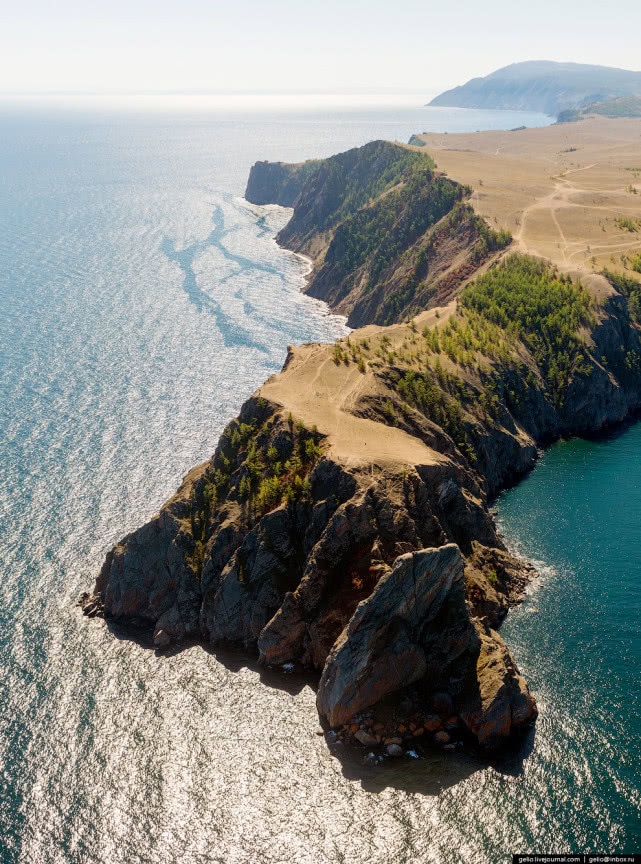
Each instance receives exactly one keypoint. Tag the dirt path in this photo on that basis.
(323, 394)
(560, 198)
(559, 189)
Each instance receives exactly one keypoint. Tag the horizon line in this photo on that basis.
(357, 91)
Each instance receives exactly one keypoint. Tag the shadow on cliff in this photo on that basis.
(290, 681)
(435, 771)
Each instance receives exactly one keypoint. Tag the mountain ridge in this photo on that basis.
(542, 85)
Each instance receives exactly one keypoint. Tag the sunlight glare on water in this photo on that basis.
(143, 300)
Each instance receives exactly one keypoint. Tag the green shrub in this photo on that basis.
(631, 290)
(527, 297)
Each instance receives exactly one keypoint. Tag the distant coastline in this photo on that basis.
(553, 88)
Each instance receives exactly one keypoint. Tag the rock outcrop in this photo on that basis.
(495, 699)
(416, 627)
(278, 182)
(343, 521)
(413, 625)
(151, 576)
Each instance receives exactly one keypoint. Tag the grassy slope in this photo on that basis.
(388, 233)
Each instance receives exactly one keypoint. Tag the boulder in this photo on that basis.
(496, 700)
(414, 622)
(162, 639)
(365, 738)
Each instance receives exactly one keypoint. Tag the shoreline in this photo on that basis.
(306, 260)
(331, 487)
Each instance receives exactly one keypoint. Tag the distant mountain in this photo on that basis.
(541, 85)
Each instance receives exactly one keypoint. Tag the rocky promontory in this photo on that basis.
(343, 523)
(388, 234)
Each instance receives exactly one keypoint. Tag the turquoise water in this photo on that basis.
(142, 301)
(577, 636)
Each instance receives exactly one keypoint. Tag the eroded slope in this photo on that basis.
(388, 234)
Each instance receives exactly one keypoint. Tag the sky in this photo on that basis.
(286, 46)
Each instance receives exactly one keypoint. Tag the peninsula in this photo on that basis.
(343, 521)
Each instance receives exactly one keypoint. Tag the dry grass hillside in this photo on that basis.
(569, 192)
(330, 394)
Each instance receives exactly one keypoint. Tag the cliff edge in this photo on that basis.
(343, 521)
(388, 234)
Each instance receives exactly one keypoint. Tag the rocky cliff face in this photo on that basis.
(152, 576)
(353, 575)
(399, 635)
(376, 562)
(388, 235)
(278, 182)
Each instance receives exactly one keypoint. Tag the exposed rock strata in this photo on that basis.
(495, 700)
(414, 624)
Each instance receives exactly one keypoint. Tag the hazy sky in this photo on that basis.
(296, 45)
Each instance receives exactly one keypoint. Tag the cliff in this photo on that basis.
(278, 182)
(543, 86)
(388, 234)
(343, 522)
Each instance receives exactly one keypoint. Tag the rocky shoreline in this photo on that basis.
(343, 526)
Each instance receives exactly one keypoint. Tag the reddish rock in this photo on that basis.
(497, 700)
(432, 723)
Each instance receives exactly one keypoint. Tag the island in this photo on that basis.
(343, 522)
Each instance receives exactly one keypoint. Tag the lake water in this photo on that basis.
(142, 301)
(578, 639)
